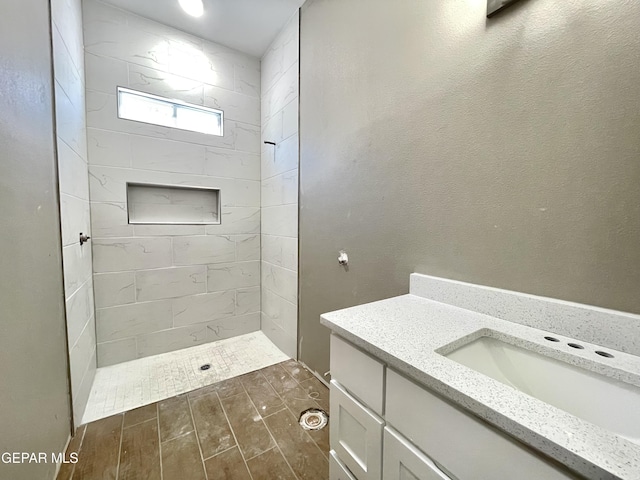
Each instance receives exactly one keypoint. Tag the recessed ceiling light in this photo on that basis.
(192, 7)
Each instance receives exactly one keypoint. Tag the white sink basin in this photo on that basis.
(606, 402)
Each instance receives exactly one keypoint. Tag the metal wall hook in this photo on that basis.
(84, 238)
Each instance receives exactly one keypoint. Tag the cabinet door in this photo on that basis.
(356, 434)
(358, 373)
(337, 470)
(403, 461)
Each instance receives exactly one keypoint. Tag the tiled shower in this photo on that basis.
(161, 286)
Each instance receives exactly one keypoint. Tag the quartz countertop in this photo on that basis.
(407, 332)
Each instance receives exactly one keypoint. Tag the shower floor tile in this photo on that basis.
(126, 386)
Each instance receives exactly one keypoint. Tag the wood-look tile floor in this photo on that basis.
(244, 428)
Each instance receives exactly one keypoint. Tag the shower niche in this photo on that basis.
(151, 204)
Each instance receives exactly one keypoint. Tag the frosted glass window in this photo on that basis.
(147, 108)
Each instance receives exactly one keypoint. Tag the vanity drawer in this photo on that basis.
(337, 470)
(466, 447)
(402, 460)
(356, 434)
(358, 372)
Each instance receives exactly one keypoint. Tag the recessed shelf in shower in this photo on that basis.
(172, 204)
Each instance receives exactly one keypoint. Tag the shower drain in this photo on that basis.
(314, 419)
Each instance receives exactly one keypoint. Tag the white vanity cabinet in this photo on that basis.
(386, 427)
(403, 461)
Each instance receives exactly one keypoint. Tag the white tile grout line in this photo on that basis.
(125, 386)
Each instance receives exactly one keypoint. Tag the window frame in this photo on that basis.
(171, 101)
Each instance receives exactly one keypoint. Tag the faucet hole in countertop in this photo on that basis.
(604, 354)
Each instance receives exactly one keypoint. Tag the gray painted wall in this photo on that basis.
(502, 152)
(34, 393)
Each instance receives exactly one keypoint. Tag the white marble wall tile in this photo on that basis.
(176, 53)
(272, 65)
(247, 247)
(157, 47)
(118, 351)
(102, 113)
(105, 74)
(287, 343)
(239, 193)
(237, 220)
(203, 250)
(247, 300)
(79, 310)
(271, 132)
(247, 79)
(247, 137)
(74, 218)
(222, 61)
(80, 396)
(222, 162)
(290, 119)
(107, 184)
(236, 106)
(280, 190)
(228, 140)
(203, 308)
(99, 18)
(283, 159)
(110, 220)
(112, 289)
(180, 40)
(280, 281)
(224, 276)
(120, 254)
(282, 93)
(290, 40)
(115, 323)
(173, 339)
(167, 230)
(158, 82)
(80, 356)
(280, 220)
(70, 123)
(72, 172)
(170, 282)
(166, 155)
(109, 148)
(76, 262)
(232, 327)
(280, 311)
(280, 251)
(67, 17)
(66, 71)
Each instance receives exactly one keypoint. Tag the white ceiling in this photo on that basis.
(246, 25)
